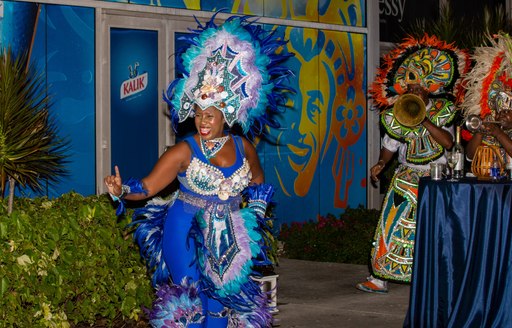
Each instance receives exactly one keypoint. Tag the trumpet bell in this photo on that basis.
(473, 123)
(409, 110)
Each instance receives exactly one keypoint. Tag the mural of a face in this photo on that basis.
(322, 138)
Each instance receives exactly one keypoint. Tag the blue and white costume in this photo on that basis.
(200, 244)
(209, 246)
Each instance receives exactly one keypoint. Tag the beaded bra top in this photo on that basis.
(205, 179)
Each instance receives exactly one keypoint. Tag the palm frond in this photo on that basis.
(31, 151)
(466, 32)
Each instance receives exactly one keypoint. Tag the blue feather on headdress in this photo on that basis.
(236, 67)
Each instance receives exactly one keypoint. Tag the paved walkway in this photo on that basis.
(321, 295)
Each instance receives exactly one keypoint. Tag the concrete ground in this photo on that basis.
(321, 295)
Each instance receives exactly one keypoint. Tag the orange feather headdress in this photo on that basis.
(436, 65)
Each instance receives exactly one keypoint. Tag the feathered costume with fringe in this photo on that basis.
(236, 68)
(489, 84)
(438, 67)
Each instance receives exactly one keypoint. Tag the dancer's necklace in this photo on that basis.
(210, 148)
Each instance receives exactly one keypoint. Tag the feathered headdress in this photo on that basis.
(234, 67)
(489, 84)
(430, 62)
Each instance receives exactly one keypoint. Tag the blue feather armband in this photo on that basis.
(258, 197)
(131, 186)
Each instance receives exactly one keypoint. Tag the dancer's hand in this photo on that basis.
(114, 183)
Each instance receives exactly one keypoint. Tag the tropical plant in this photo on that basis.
(31, 153)
(467, 32)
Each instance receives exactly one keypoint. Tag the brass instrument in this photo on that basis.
(409, 110)
(474, 122)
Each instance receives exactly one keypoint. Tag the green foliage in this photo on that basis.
(68, 261)
(346, 239)
(30, 150)
(466, 32)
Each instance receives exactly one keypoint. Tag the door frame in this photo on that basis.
(166, 26)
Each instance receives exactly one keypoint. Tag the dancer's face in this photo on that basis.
(209, 122)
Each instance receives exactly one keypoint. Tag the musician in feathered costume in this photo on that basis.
(431, 70)
(489, 98)
(200, 245)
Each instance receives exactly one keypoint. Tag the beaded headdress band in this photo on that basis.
(489, 84)
(235, 68)
(430, 62)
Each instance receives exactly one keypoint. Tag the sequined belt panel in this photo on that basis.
(201, 202)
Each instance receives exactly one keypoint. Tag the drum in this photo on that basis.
(483, 160)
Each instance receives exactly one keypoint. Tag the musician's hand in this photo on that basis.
(505, 117)
(376, 169)
(492, 129)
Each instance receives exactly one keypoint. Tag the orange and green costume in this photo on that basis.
(438, 67)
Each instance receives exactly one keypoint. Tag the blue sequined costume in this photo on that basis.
(209, 246)
(200, 237)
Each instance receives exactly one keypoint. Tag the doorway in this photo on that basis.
(134, 64)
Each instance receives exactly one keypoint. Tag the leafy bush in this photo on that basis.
(68, 261)
(346, 239)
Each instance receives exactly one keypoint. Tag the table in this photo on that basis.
(462, 271)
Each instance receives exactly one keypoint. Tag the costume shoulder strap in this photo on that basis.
(196, 152)
(239, 145)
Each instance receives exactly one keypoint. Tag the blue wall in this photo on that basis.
(64, 48)
(316, 161)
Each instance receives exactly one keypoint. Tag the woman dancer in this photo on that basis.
(208, 243)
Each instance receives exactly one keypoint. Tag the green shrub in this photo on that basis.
(68, 261)
(346, 239)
